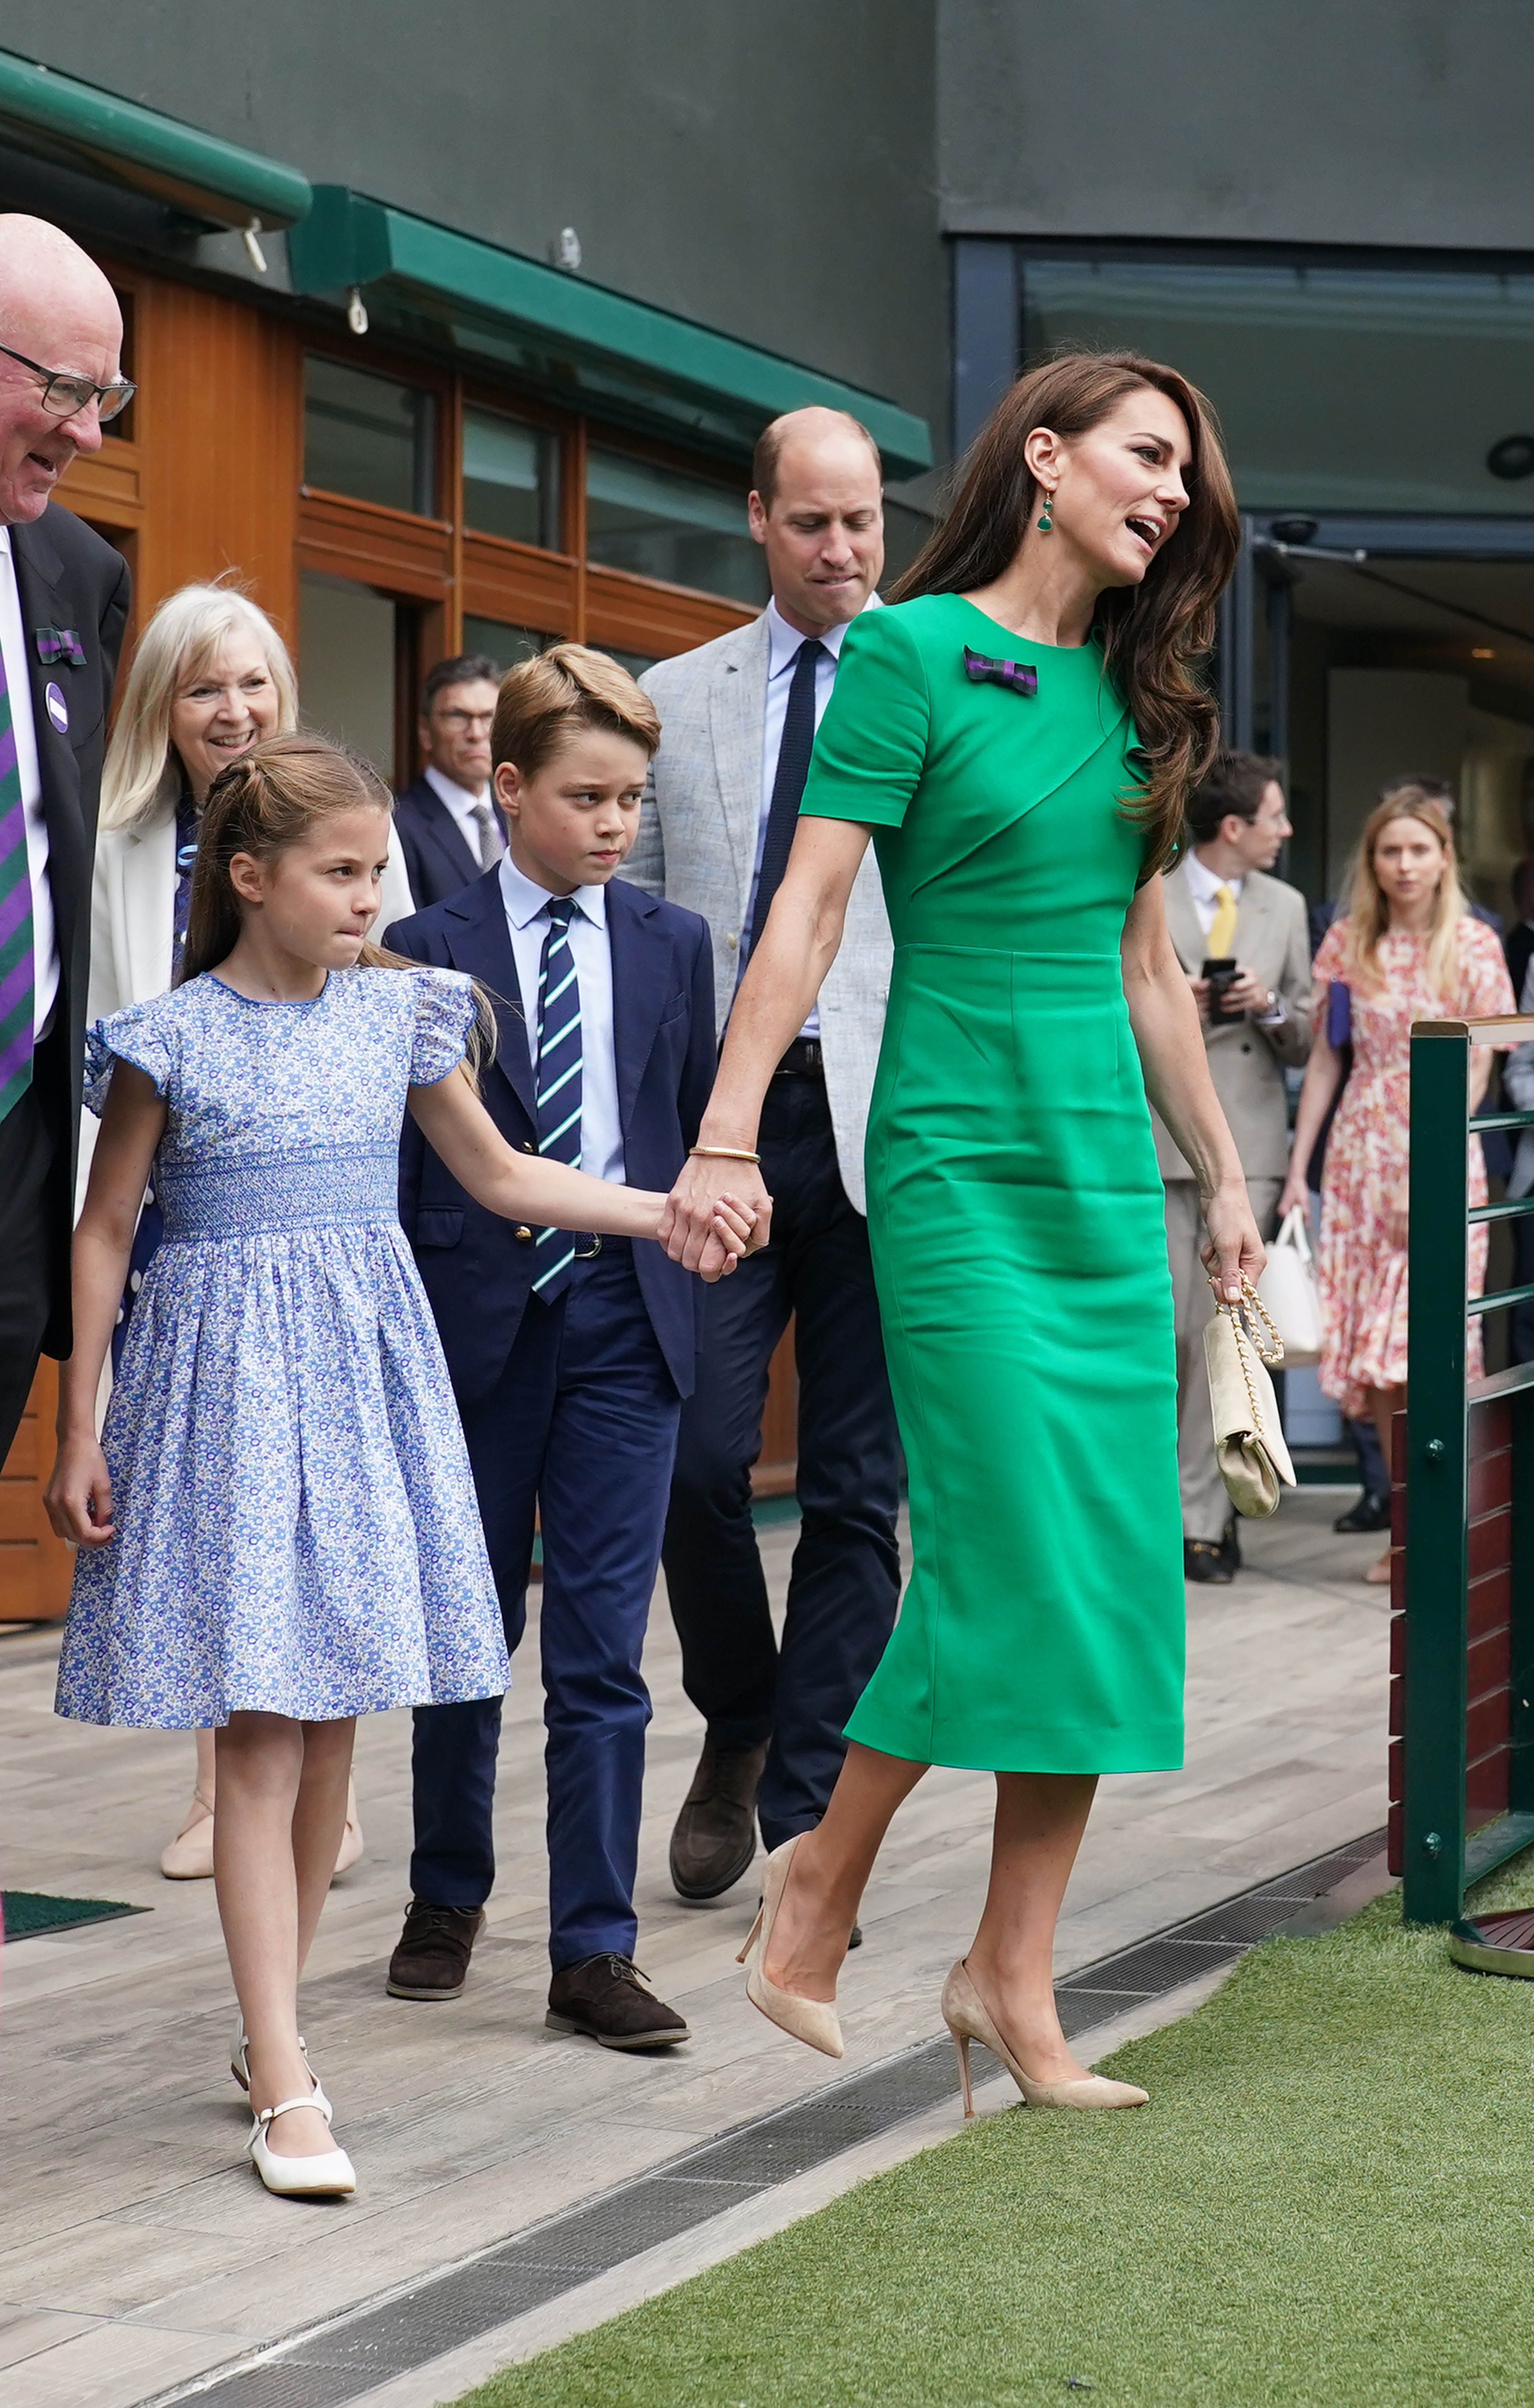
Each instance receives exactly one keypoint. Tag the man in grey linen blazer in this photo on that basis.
(738, 718)
(1221, 903)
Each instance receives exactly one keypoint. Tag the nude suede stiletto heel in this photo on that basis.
(964, 2012)
(811, 2020)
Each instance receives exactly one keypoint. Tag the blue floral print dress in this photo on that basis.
(296, 1530)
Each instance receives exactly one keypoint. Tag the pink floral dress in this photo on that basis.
(1360, 1275)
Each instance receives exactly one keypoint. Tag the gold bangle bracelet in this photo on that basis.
(726, 1153)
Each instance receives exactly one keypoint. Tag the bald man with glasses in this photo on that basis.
(63, 605)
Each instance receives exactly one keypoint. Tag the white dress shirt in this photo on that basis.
(783, 652)
(1203, 888)
(464, 805)
(45, 949)
(601, 1130)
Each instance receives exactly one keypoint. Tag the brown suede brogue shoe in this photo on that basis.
(432, 1960)
(608, 1999)
(715, 1840)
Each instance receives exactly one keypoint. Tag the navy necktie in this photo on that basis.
(559, 1083)
(793, 767)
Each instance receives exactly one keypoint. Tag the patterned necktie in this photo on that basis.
(1222, 928)
(18, 975)
(490, 839)
(558, 1082)
(793, 767)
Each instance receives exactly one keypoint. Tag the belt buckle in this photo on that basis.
(587, 1253)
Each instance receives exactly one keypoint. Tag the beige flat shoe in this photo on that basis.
(964, 2012)
(811, 2020)
(1378, 1574)
(189, 1854)
(351, 1838)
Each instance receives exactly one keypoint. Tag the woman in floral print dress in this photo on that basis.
(1407, 949)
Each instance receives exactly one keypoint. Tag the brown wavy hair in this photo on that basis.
(1154, 635)
(268, 799)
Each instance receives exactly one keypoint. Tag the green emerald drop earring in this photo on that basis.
(1047, 524)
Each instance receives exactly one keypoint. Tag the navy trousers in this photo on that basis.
(846, 1581)
(581, 1425)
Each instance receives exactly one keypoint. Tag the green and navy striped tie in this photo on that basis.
(17, 972)
(558, 1082)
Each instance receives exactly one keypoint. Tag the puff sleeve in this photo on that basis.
(142, 1034)
(445, 1011)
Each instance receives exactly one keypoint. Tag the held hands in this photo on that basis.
(692, 1223)
(78, 1497)
(730, 1229)
(1234, 1251)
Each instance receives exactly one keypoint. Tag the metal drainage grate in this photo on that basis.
(366, 2346)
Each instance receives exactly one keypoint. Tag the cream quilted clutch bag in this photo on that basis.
(1240, 1343)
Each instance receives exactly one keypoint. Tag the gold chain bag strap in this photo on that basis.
(1240, 1343)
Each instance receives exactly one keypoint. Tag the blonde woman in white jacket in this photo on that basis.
(210, 677)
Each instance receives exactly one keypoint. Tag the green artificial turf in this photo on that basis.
(26, 1912)
(1330, 2198)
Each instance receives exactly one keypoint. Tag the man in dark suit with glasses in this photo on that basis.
(63, 605)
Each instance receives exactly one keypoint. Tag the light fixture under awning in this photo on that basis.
(597, 349)
(212, 181)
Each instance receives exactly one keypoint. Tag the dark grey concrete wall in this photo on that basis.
(1406, 121)
(769, 171)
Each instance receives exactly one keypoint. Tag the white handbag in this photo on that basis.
(1248, 1442)
(1289, 1293)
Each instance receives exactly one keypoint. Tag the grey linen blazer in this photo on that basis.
(1246, 1062)
(697, 846)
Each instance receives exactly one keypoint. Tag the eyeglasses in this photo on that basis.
(463, 721)
(65, 396)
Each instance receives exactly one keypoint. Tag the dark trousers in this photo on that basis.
(34, 1224)
(582, 1424)
(845, 1584)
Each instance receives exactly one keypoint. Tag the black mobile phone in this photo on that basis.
(1221, 972)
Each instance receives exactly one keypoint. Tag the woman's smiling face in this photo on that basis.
(1118, 493)
(216, 715)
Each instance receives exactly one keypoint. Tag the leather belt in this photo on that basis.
(802, 1060)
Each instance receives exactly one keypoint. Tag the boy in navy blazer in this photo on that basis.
(569, 1356)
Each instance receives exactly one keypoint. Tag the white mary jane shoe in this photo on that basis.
(327, 2175)
(241, 2070)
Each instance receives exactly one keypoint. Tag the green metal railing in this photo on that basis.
(1439, 1856)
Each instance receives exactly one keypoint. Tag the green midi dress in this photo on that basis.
(1015, 1206)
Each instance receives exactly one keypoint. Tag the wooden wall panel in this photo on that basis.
(35, 1568)
(639, 615)
(219, 420)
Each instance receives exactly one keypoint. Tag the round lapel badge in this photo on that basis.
(58, 710)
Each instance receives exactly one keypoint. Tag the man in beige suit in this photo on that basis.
(738, 720)
(1223, 906)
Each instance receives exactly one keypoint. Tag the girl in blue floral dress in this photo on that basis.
(278, 1530)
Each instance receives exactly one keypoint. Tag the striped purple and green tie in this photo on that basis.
(18, 976)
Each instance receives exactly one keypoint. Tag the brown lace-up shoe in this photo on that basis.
(608, 1998)
(715, 1835)
(432, 1960)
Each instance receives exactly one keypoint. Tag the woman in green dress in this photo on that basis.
(1018, 733)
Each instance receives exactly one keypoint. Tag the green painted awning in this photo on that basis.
(214, 182)
(598, 351)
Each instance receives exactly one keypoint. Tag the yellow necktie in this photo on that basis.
(1222, 928)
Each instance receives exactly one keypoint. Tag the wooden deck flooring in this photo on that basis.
(136, 2247)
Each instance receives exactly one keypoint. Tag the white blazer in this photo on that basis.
(133, 926)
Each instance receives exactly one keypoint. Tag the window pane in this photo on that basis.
(657, 523)
(510, 479)
(367, 437)
(347, 654)
(1337, 388)
(497, 640)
